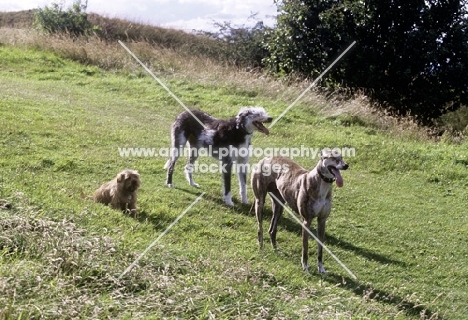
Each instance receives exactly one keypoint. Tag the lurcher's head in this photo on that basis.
(252, 118)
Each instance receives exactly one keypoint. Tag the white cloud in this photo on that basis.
(183, 14)
(10, 5)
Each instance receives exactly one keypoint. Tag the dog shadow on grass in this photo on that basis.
(158, 221)
(292, 226)
(162, 221)
(285, 223)
(366, 253)
(369, 293)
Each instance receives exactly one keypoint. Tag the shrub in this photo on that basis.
(55, 19)
(241, 45)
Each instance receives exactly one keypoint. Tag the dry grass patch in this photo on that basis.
(356, 109)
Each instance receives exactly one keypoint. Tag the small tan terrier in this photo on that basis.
(121, 192)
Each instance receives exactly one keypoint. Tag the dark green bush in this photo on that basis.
(410, 56)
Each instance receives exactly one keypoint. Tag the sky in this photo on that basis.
(187, 15)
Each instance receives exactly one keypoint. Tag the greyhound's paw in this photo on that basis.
(196, 185)
(170, 185)
(321, 269)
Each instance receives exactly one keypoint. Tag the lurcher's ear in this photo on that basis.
(239, 120)
(244, 112)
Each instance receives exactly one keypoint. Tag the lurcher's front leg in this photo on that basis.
(242, 169)
(227, 196)
(190, 166)
(243, 186)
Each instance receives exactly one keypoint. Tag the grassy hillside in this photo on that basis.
(18, 19)
(399, 223)
(237, 51)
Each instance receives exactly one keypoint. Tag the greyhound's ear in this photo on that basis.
(325, 153)
(322, 156)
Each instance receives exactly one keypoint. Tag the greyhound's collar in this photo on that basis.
(328, 180)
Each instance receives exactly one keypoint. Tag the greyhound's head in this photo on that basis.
(330, 165)
(251, 118)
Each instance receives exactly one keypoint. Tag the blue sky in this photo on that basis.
(179, 14)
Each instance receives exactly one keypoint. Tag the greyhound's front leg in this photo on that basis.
(305, 244)
(259, 203)
(278, 209)
(321, 222)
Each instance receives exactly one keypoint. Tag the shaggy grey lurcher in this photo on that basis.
(227, 140)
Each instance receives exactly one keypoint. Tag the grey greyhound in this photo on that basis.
(308, 193)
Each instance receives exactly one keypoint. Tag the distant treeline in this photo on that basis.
(410, 57)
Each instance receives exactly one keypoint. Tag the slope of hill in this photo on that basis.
(68, 107)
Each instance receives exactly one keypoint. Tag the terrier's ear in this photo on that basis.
(121, 177)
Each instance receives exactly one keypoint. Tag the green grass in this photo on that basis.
(399, 223)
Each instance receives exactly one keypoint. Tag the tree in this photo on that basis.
(411, 56)
(241, 45)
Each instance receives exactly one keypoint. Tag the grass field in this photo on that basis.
(400, 223)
